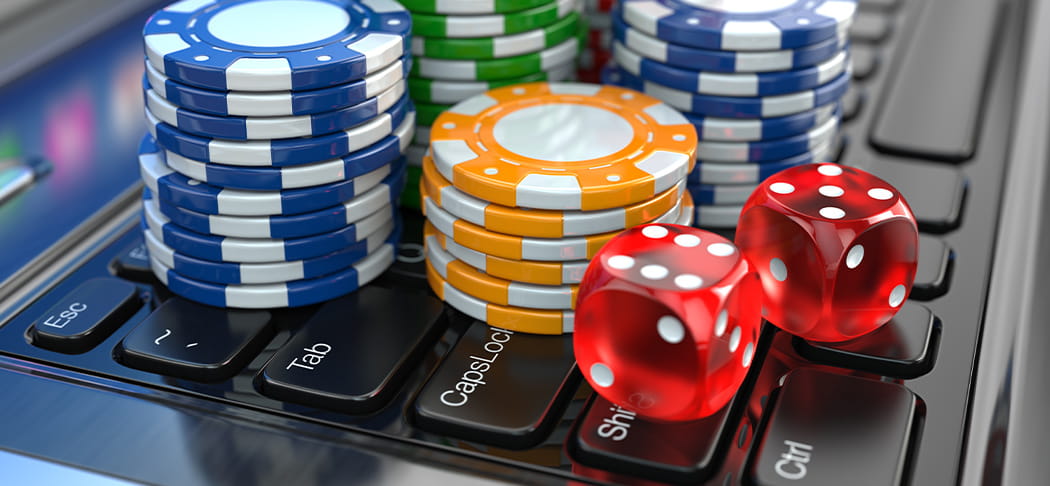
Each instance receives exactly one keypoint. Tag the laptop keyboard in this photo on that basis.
(393, 361)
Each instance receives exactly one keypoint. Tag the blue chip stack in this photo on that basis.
(761, 80)
(274, 161)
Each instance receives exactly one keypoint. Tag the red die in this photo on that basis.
(835, 248)
(667, 320)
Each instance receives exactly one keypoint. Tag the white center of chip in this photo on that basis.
(737, 6)
(563, 132)
(278, 23)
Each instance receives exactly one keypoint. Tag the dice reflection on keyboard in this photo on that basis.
(610, 437)
(824, 428)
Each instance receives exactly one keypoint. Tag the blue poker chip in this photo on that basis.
(763, 151)
(716, 217)
(253, 250)
(754, 129)
(280, 152)
(289, 294)
(379, 199)
(356, 164)
(274, 127)
(179, 190)
(753, 25)
(731, 107)
(269, 272)
(725, 61)
(284, 152)
(721, 194)
(281, 45)
(733, 173)
(277, 103)
(730, 84)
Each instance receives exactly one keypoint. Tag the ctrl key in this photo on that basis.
(86, 316)
(825, 427)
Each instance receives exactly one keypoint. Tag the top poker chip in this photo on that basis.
(563, 146)
(751, 25)
(275, 45)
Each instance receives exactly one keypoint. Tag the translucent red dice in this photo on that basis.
(667, 320)
(835, 248)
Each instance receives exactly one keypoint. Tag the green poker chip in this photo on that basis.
(469, 7)
(498, 47)
(439, 91)
(489, 69)
(475, 26)
(410, 197)
(426, 113)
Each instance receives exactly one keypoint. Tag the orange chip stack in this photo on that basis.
(522, 185)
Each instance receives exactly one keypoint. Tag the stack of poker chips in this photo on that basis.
(761, 81)
(524, 184)
(462, 48)
(274, 160)
(599, 39)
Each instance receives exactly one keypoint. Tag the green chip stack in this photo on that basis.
(462, 48)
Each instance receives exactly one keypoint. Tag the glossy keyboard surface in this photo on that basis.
(392, 361)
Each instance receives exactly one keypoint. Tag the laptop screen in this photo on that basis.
(82, 114)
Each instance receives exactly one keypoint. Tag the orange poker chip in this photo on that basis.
(541, 223)
(563, 146)
(496, 290)
(520, 248)
(507, 317)
(540, 273)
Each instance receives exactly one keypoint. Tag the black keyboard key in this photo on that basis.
(936, 260)
(499, 387)
(933, 107)
(86, 316)
(353, 355)
(853, 102)
(133, 263)
(935, 192)
(879, 4)
(870, 27)
(905, 347)
(183, 339)
(838, 149)
(410, 268)
(829, 429)
(608, 437)
(865, 61)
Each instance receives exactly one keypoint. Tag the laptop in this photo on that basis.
(950, 102)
